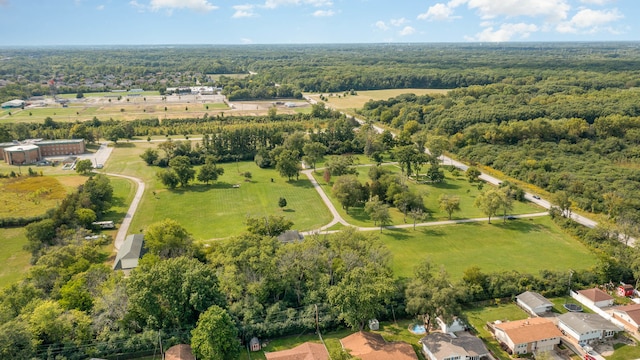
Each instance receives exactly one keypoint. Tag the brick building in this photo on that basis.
(34, 150)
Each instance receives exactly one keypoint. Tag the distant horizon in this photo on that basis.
(294, 22)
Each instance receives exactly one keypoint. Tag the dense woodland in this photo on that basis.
(560, 116)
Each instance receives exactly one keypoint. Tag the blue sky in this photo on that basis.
(114, 22)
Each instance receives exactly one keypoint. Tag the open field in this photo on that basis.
(219, 210)
(14, 260)
(103, 94)
(453, 185)
(478, 317)
(526, 245)
(358, 101)
(29, 196)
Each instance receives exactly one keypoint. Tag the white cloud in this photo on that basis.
(438, 11)
(398, 22)
(506, 32)
(243, 11)
(137, 5)
(100, 7)
(246, 41)
(381, 25)
(196, 5)
(588, 20)
(407, 30)
(554, 10)
(324, 13)
(272, 4)
(596, 2)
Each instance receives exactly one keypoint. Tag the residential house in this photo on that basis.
(586, 328)
(534, 303)
(454, 326)
(440, 346)
(306, 351)
(130, 252)
(371, 346)
(254, 344)
(630, 314)
(596, 297)
(528, 336)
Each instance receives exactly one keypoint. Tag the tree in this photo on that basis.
(326, 175)
(168, 178)
(282, 202)
(361, 293)
(432, 296)
(79, 95)
(489, 201)
(171, 293)
(472, 174)
(114, 133)
(168, 239)
(16, 341)
(209, 171)
(169, 148)
(561, 198)
(181, 165)
(348, 190)
(340, 165)
(313, 152)
(405, 156)
(272, 225)
(287, 164)
(417, 214)
(378, 211)
(272, 113)
(215, 336)
(86, 217)
(149, 156)
(97, 194)
(40, 234)
(449, 204)
(84, 167)
(506, 203)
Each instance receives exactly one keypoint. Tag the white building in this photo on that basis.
(534, 303)
(596, 297)
(586, 328)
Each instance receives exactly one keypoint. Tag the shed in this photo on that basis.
(625, 290)
(596, 297)
(179, 352)
(254, 344)
(130, 252)
(534, 303)
(290, 236)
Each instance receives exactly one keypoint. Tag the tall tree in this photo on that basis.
(168, 239)
(209, 171)
(287, 164)
(449, 204)
(149, 156)
(378, 211)
(489, 201)
(313, 152)
(84, 167)
(215, 336)
(181, 165)
(348, 190)
(272, 225)
(361, 294)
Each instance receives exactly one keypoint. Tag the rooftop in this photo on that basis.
(371, 346)
(444, 346)
(633, 311)
(306, 351)
(129, 253)
(583, 323)
(595, 295)
(529, 330)
(533, 299)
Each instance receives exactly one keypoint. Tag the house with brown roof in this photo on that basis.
(306, 351)
(371, 346)
(596, 297)
(441, 346)
(630, 314)
(528, 336)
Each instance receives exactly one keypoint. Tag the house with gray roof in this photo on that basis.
(130, 252)
(534, 303)
(440, 346)
(586, 328)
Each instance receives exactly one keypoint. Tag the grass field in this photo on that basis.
(358, 101)
(453, 185)
(29, 196)
(14, 260)
(219, 210)
(526, 245)
(478, 317)
(101, 94)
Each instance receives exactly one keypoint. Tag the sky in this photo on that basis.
(157, 22)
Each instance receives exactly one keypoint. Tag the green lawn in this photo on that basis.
(625, 352)
(219, 210)
(456, 185)
(478, 317)
(14, 260)
(527, 245)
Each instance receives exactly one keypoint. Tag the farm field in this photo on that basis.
(357, 101)
(526, 245)
(454, 184)
(219, 210)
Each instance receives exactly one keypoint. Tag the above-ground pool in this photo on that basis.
(417, 329)
(573, 307)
